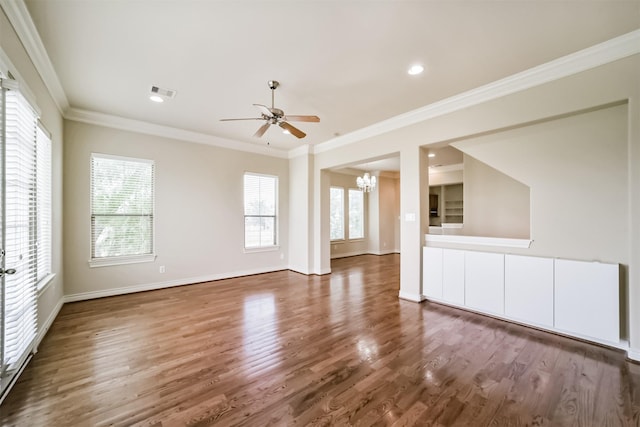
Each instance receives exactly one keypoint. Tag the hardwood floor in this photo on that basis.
(286, 349)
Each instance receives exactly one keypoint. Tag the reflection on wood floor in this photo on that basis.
(286, 349)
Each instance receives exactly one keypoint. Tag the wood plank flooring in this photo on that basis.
(286, 349)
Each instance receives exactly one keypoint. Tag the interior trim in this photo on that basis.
(122, 123)
(18, 15)
(167, 284)
(478, 241)
(633, 355)
(411, 297)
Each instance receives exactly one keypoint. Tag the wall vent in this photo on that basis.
(165, 93)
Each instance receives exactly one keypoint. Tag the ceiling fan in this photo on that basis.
(275, 116)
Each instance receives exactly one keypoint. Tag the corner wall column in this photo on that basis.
(414, 200)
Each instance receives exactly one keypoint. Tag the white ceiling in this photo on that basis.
(344, 61)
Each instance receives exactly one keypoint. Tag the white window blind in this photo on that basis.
(260, 202)
(20, 225)
(43, 204)
(356, 214)
(122, 206)
(336, 200)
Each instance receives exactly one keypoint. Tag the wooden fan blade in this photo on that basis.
(294, 131)
(231, 120)
(262, 130)
(264, 110)
(314, 119)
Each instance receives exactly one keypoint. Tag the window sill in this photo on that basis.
(44, 284)
(121, 260)
(262, 249)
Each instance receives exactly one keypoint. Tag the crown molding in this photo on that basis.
(18, 15)
(122, 123)
(583, 60)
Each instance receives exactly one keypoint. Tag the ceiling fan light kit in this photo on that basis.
(275, 116)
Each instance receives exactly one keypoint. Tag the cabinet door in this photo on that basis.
(453, 276)
(587, 299)
(484, 281)
(432, 272)
(528, 289)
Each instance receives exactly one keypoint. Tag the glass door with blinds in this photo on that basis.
(25, 173)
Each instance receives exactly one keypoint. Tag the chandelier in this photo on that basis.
(366, 182)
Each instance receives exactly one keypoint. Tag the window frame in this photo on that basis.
(275, 216)
(122, 259)
(44, 222)
(343, 218)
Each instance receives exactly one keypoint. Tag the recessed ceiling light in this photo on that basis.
(156, 98)
(432, 154)
(286, 131)
(416, 69)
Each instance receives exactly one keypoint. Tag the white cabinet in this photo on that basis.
(528, 289)
(432, 272)
(453, 276)
(577, 298)
(484, 281)
(587, 299)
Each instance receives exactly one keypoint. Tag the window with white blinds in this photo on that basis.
(260, 206)
(27, 223)
(122, 209)
(336, 213)
(356, 214)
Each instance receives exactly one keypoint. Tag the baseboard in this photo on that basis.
(300, 270)
(167, 284)
(42, 331)
(385, 252)
(358, 253)
(633, 354)
(348, 254)
(411, 297)
(323, 271)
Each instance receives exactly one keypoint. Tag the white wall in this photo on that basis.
(576, 168)
(495, 205)
(300, 213)
(199, 224)
(49, 301)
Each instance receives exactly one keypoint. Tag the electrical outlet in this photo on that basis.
(162, 269)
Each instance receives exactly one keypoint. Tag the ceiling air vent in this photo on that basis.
(164, 93)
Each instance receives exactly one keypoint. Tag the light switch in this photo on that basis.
(410, 217)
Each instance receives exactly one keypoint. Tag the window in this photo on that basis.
(356, 214)
(260, 202)
(337, 213)
(122, 205)
(25, 156)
